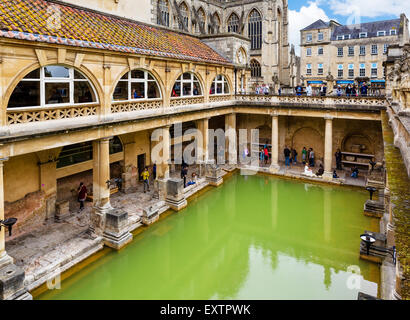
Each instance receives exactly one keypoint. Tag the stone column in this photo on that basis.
(107, 222)
(230, 139)
(11, 277)
(328, 175)
(274, 167)
(4, 258)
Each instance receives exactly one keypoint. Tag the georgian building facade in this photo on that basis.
(349, 54)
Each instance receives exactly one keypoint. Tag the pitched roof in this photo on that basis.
(33, 20)
(370, 27)
(319, 24)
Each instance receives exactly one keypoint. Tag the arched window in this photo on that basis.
(233, 23)
(201, 15)
(185, 18)
(219, 85)
(163, 13)
(255, 29)
(81, 152)
(136, 84)
(51, 86)
(255, 69)
(187, 85)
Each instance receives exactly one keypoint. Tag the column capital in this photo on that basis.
(105, 139)
(328, 117)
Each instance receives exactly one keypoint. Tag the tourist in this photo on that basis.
(280, 91)
(309, 90)
(335, 176)
(312, 158)
(338, 156)
(322, 90)
(82, 195)
(299, 90)
(320, 172)
(145, 179)
(195, 91)
(294, 156)
(154, 171)
(348, 90)
(304, 155)
(363, 89)
(262, 155)
(354, 91)
(266, 89)
(339, 91)
(286, 152)
(184, 173)
(308, 172)
(355, 172)
(266, 153)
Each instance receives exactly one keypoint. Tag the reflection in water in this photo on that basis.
(252, 238)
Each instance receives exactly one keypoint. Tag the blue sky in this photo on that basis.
(304, 12)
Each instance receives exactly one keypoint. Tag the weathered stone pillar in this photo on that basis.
(163, 168)
(328, 175)
(230, 138)
(11, 276)
(213, 174)
(4, 258)
(130, 175)
(202, 126)
(48, 184)
(274, 167)
(106, 222)
(175, 194)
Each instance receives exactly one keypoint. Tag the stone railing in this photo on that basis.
(118, 107)
(218, 98)
(26, 115)
(175, 102)
(315, 100)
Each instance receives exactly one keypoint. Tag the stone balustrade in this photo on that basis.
(30, 115)
(25, 115)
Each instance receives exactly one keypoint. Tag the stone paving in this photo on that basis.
(56, 246)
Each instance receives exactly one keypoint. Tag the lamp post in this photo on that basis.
(371, 191)
(8, 223)
(369, 240)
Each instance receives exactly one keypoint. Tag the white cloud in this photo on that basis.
(303, 18)
(369, 8)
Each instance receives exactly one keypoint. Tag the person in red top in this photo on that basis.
(82, 195)
(266, 155)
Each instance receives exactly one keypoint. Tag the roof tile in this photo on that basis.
(70, 25)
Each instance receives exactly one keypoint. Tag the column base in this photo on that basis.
(274, 168)
(149, 216)
(176, 205)
(12, 284)
(327, 176)
(5, 260)
(116, 234)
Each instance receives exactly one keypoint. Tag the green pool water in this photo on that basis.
(255, 237)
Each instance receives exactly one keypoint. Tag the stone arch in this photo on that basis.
(358, 142)
(310, 138)
(25, 71)
(153, 72)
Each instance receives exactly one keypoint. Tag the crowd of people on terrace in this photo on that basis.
(349, 90)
